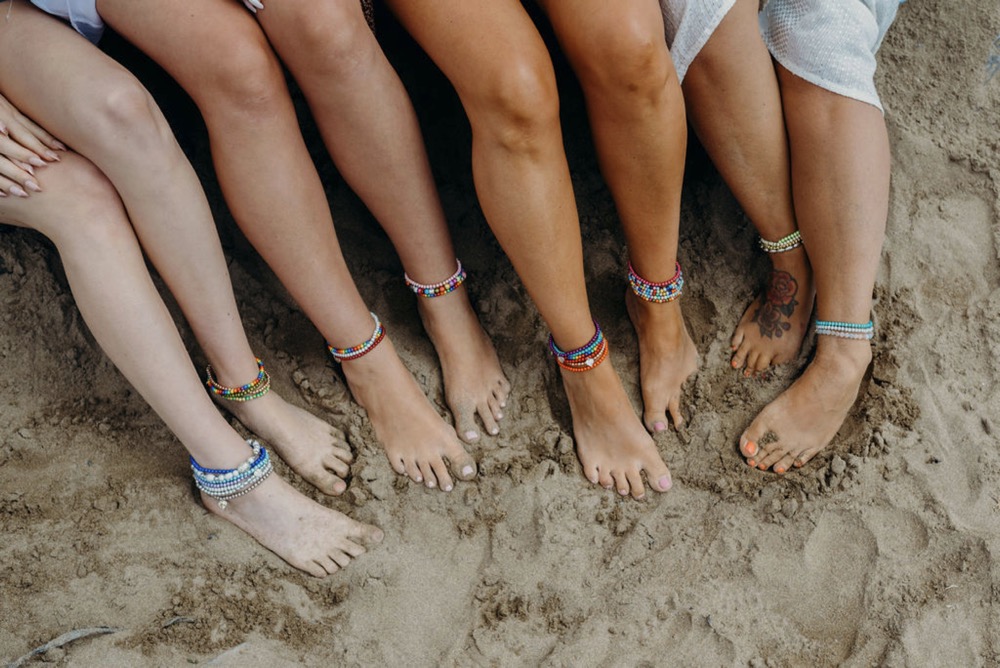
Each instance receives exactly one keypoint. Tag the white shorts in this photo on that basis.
(688, 24)
(81, 14)
(829, 43)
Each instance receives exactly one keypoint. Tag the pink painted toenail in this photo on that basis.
(495, 431)
(430, 483)
(623, 492)
(419, 478)
(447, 488)
(666, 483)
(659, 426)
(468, 470)
(471, 435)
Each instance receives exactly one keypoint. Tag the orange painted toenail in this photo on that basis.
(752, 463)
(751, 448)
(779, 469)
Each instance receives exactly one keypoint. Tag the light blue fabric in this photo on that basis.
(81, 14)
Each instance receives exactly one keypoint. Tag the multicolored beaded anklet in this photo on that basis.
(782, 245)
(659, 293)
(450, 284)
(586, 357)
(846, 330)
(255, 389)
(362, 349)
(224, 485)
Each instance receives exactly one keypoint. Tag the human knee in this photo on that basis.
(246, 84)
(78, 205)
(127, 119)
(519, 104)
(336, 38)
(627, 59)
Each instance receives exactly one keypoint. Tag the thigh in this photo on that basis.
(474, 41)
(52, 74)
(201, 44)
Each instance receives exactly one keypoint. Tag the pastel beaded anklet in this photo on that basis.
(362, 349)
(449, 284)
(659, 293)
(846, 330)
(224, 485)
(584, 358)
(782, 245)
(255, 389)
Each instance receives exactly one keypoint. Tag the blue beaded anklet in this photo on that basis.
(846, 330)
(224, 485)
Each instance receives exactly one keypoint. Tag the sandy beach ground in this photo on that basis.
(883, 551)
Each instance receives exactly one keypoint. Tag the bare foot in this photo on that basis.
(417, 441)
(667, 358)
(805, 417)
(314, 449)
(310, 537)
(774, 324)
(474, 383)
(611, 443)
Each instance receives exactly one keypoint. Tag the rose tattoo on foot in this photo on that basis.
(777, 304)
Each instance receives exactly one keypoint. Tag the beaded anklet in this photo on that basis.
(584, 358)
(449, 284)
(846, 330)
(362, 349)
(782, 245)
(255, 389)
(224, 485)
(659, 293)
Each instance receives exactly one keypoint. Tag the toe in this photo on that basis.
(336, 465)
(487, 415)
(655, 421)
(427, 474)
(590, 472)
(462, 463)
(783, 464)
(635, 484)
(465, 424)
(772, 454)
(329, 484)
(804, 456)
(441, 474)
(319, 568)
(658, 476)
(737, 340)
(621, 483)
(739, 359)
(605, 480)
(413, 470)
(674, 407)
(340, 558)
(494, 407)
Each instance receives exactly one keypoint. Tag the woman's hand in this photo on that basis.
(253, 5)
(23, 147)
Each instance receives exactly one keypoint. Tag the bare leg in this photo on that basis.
(496, 60)
(840, 178)
(637, 116)
(222, 58)
(80, 211)
(371, 130)
(734, 104)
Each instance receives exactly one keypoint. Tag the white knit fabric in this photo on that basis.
(829, 43)
(688, 25)
(82, 15)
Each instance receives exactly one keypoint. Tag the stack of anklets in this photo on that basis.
(450, 284)
(584, 358)
(224, 485)
(782, 245)
(255, 389)
(659, 293)
(362, 349)
(846, 330)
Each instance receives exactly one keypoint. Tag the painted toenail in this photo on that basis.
(623, 492)
(447, 488)
(666, 483)
(430, 483)
(471, 435)
(607, 487)
(751, 448)
(419, 478)
(659, 426)
(468, 470)
(751, 463)
(779, 469)
(495, 431)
